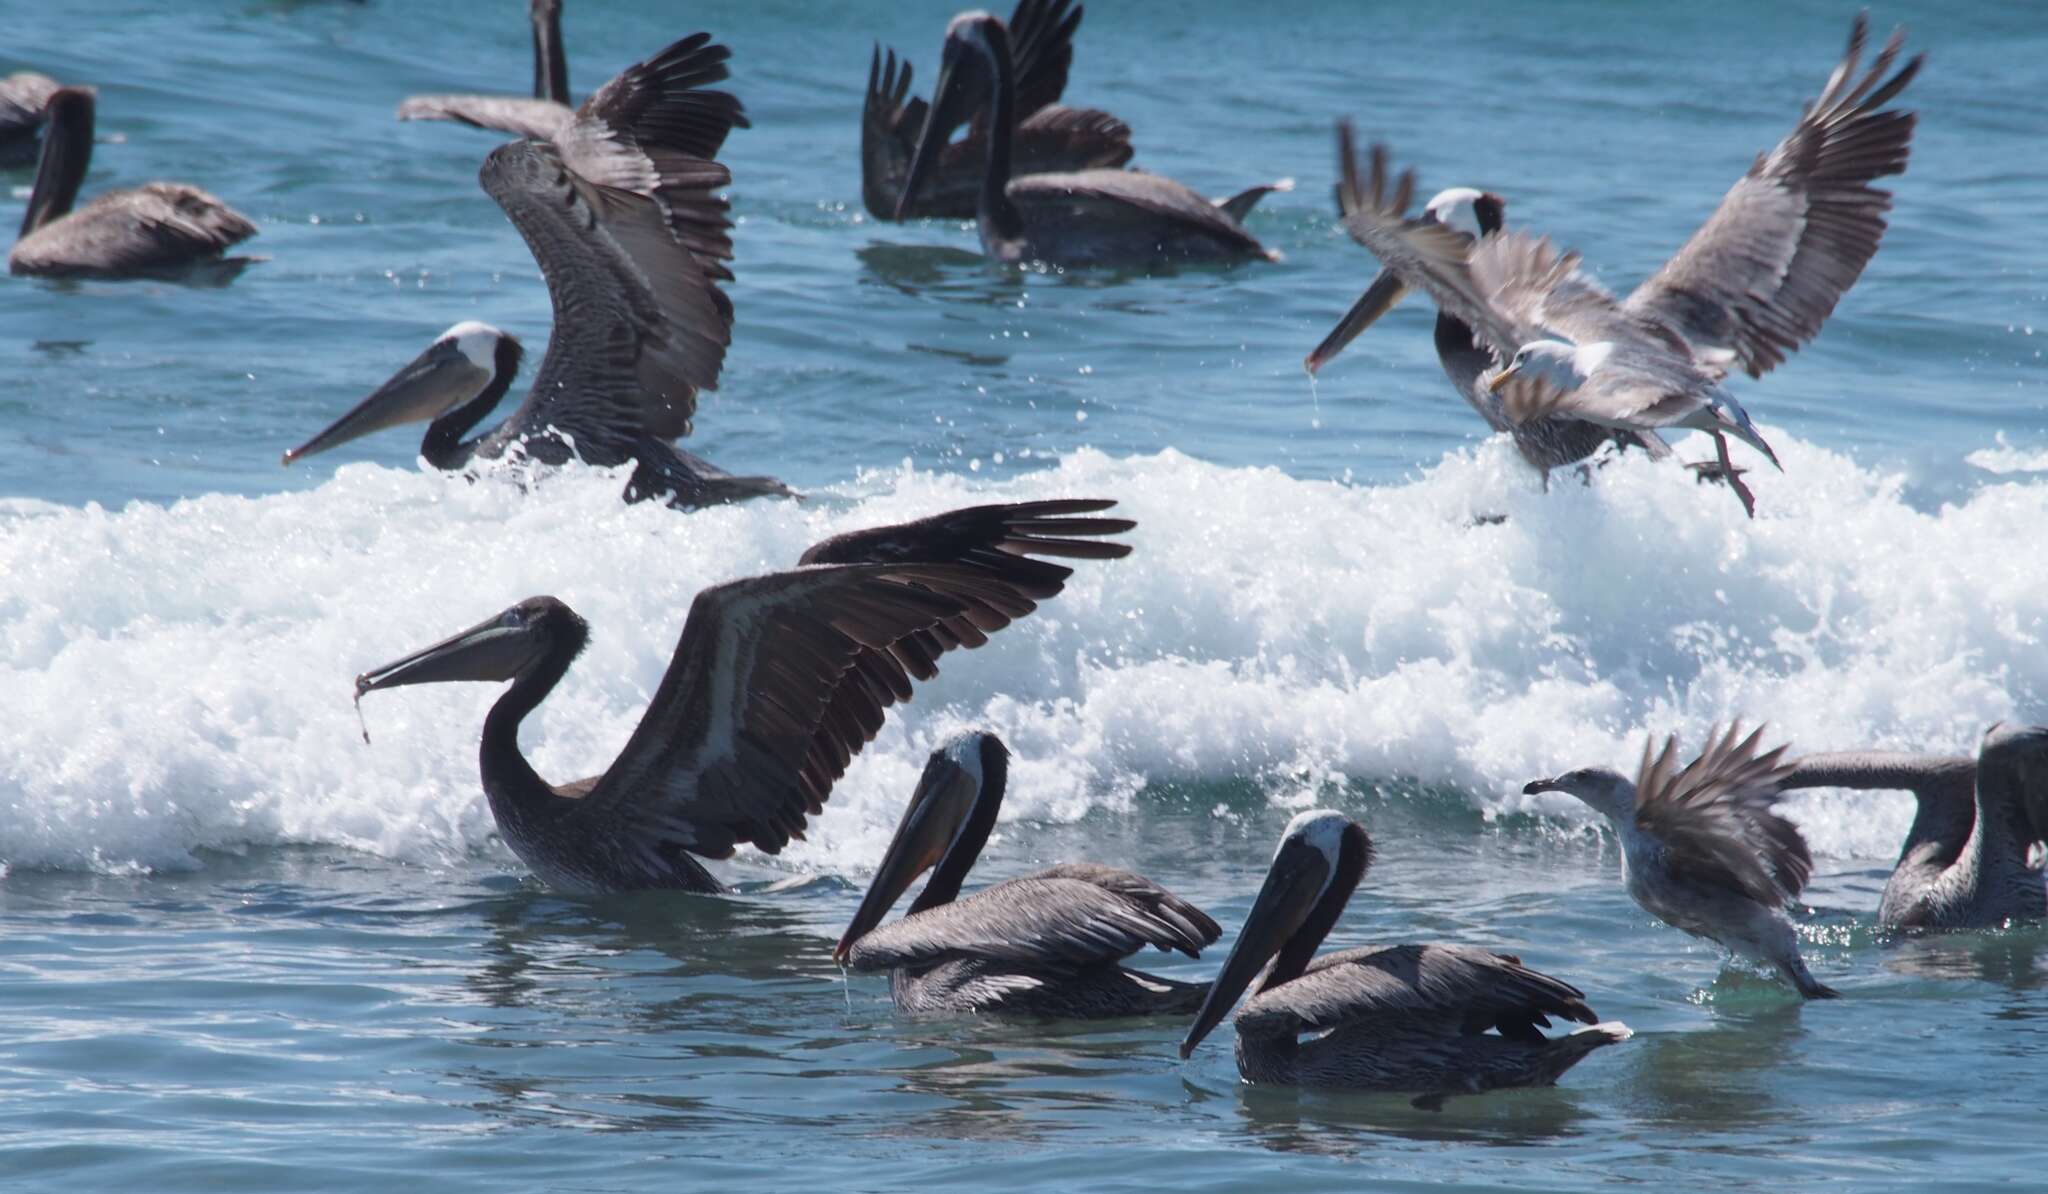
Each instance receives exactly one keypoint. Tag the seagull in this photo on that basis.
(1753, 284)
(1704, 850)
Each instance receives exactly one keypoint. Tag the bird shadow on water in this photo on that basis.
(1345, 1123)
(940, 271)
(1716, 1077)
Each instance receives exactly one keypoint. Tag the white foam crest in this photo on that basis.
(177, 678)
(2004, 459)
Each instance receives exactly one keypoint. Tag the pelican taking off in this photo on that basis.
(1049, 944)
(541, 117)
(1703, 848)
(23, 96)
(1754, 283)
(1429, 1020)
(777, 682)
(1083, 218)
(1049, 138)
(1546, 443)
(1966, 862)
(619, 211)
(156, 228)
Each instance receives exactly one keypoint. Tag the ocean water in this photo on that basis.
(241, 948)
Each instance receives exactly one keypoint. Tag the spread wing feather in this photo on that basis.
(1715, 820)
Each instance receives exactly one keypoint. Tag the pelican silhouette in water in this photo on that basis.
(778, 681)
(156, 228)
(619, 212)
(1086, 217)
(1546, 443)
(1050, 138)
(1704, 850)
(23, 96)
(1968, 858)
(1428, 1020)
(541, 117)
(1049, 944)
(1753, 284)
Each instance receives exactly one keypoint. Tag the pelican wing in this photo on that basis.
(1715, 820)
(1001, 539)
(740, 743)
(1041, 51)
(620, 212)
(1469, 990)
(1767, 268)
(1057, 138)
(1046, 921)
(158, 225)
(521, 116)
(1095, 203)
(22, 96)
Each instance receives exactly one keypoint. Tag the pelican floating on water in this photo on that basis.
(1754, 283)
(1703, 848)
(1049, 944)
(1431, 1020)
(1081, 218)
(156, 228)
(777, 682)
(619, 212)
(1546, 443)
(23, 95)
(1050, 138)
(1967, 860)
(541, 117)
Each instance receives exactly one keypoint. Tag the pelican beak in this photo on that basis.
(437, 380)
(1294, 884)
(495, 650)
(944, 796)
(1536, 786)
(1502, 378)
(949, 110)
(1382, 296)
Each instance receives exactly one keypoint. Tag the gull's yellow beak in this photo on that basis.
(1500, 379)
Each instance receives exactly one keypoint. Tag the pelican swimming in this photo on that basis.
(1546, 443)
(1967, 859)
(1703, 848)
(541, 117)
(23, 96)
(1428, 1020)
(156, 228)
(1049, 944)
(1085, 217)
(1754, 283)
(619, 212)
(777, 682)
(1049, 138)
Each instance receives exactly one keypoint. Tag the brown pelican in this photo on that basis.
(1086, 217)
(1754, 283)
(1432, 1020)
(1704, 850)
(22, 97)
(1965, 864)
(1048, 944)
(777, 682)
(539, 118)
(619, 212)
(156, 228)
(1049, 138)
(1546, 443)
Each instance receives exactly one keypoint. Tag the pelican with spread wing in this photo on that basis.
(1753, 284)
(777, 683)
(619, 209)
(1704, 849)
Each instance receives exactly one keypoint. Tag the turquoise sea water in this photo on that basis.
(241, 949)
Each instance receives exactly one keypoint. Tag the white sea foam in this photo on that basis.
(2004, 458)
(173, 678)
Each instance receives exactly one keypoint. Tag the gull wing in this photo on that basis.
(1049, 921)
(1714, 816)
(1467, 990)
(620, 212)
(1767, 268)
